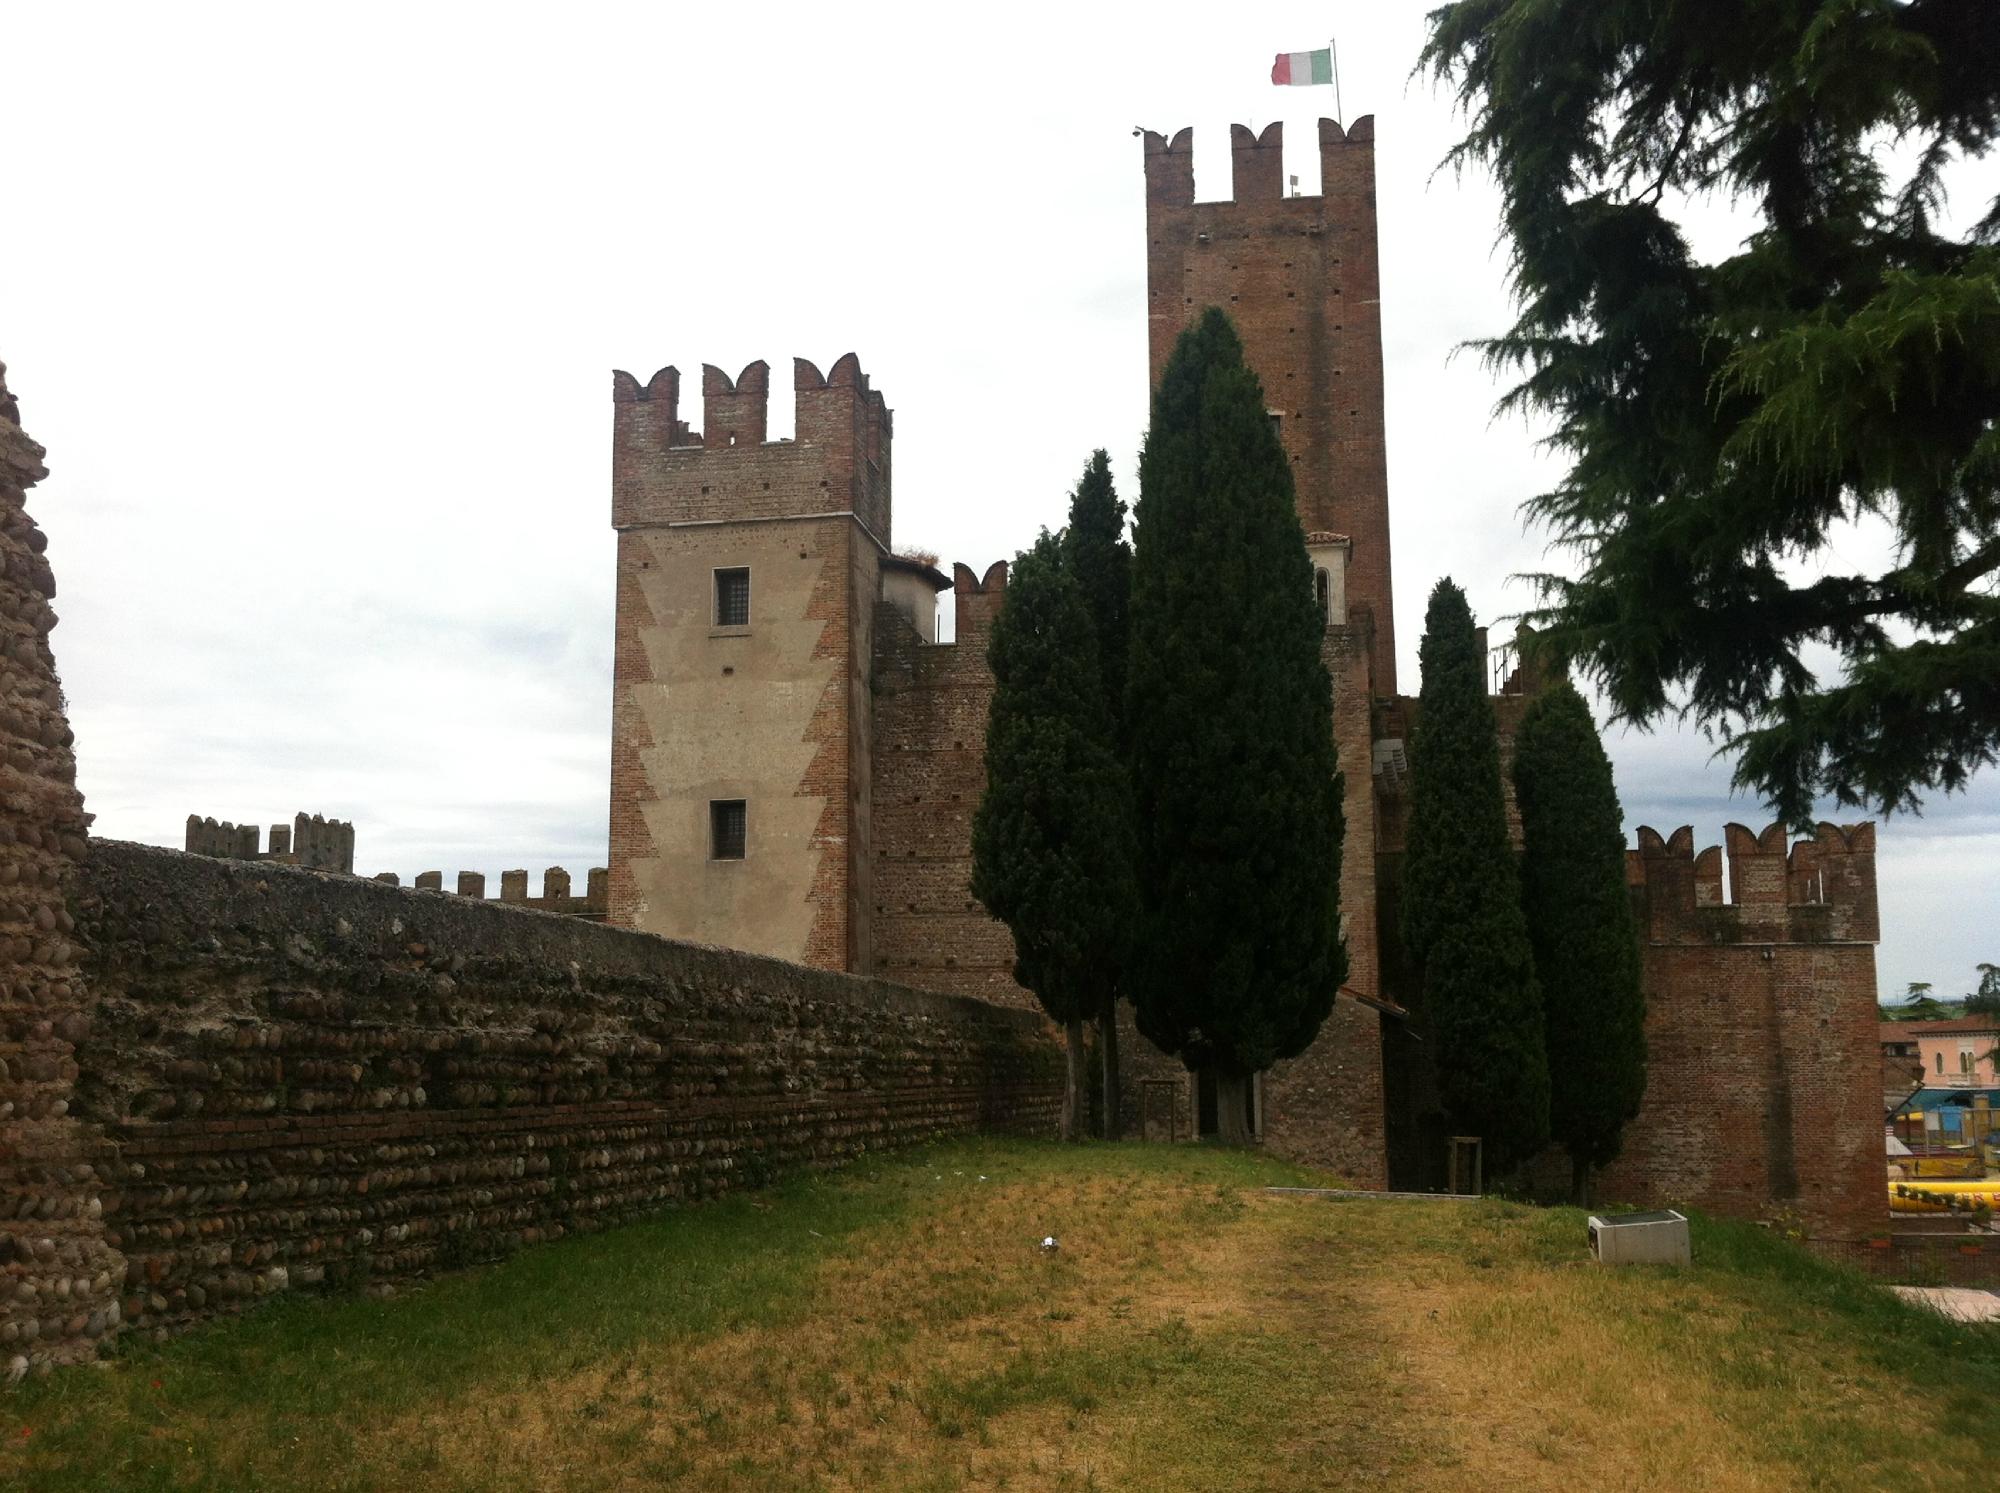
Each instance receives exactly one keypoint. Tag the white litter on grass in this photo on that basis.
(1959, 1303)
(1049, 1245)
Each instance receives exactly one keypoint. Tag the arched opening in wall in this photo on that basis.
(1323, 596)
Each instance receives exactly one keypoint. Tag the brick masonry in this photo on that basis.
(303, 1080)
(929, 770)
(1761, 1028)
(1300, 278)
(777, 713)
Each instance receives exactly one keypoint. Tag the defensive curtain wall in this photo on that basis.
(1761, 1035)
(221, 1078)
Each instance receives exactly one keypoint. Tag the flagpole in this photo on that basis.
(1333, 49)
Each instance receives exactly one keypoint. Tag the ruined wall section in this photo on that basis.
(929, 770)
(306, 1081)
(59, 1278)
(1762, 1090)
(1300, 278)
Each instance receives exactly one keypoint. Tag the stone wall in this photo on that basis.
(308, 1080)
(1762, 1054)
(59, 1280)
(929, 770)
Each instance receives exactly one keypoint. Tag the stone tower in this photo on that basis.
(1299, 277)
(748, 574)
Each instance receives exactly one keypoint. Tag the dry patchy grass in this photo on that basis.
(899, 1329)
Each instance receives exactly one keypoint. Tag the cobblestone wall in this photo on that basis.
(58, 1279)
(308, 1080)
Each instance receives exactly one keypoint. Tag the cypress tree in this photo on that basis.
(1580, 924)
(1101, 561)
(1229, 717)
(1463, 928)
(1052, 851)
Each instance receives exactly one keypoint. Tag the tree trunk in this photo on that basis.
(1107, 1045)
(1232, 1108)
(1579, 1181)
(1073, 1098)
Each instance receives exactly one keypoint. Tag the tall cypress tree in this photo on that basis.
(1101, 561)
(1229, 716)
(1463, 928)
(1580, 923)
(1052, 852)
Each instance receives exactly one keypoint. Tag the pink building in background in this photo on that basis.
(1957, 1054)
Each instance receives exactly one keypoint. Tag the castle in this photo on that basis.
(236, 1072)
(796, 756)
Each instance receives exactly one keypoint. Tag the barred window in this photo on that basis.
(732, 597)
(728, 819)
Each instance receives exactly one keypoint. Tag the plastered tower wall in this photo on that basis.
(59, 1278)
(1299, 276)
(776, 713)
(1761, 1088)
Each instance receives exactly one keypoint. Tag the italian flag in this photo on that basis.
(1303, 67)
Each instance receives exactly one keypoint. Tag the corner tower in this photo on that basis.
(1299, 276)
(741, 728)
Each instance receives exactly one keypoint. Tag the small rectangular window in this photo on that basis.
(732, 597)
(728, 819)
(1277, 423)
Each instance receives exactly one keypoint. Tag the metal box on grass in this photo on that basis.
(1659, 1238)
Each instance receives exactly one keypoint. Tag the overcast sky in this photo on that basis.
(315, 309)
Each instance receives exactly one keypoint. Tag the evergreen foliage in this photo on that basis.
(1230, 721)
(1101, 560)
(1052, 839)
(1463, 928)
(1725, 420)
(1581, 929)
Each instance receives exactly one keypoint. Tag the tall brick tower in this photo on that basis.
(1299, 277)
(748, 573)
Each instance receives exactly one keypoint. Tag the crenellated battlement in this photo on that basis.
(558, 892)
(1257, 162)
(976, 600)
(1299, 278)
(312, 841)
(837, 460)
(1756, 887)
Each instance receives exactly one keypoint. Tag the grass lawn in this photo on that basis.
(896, 1327)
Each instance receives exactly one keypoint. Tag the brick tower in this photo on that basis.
(748, 572)
(1299, 277)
